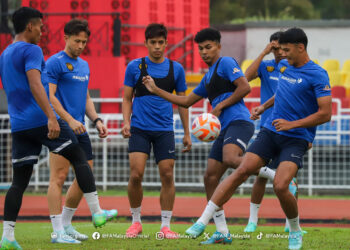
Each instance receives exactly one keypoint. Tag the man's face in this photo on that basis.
(75, 44)
(292, 52)
(277, 51)
(34, 27)
(209, 51)
(156, 47)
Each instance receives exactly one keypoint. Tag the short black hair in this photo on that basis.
(275, 36)
(75, 26)
(208, 34)
(23, 16)
(156, 30)
(293, 35)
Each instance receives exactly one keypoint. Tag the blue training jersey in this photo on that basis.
(296, 96)
(268, 73)
(152, 112)
(72, 78)
(15, 61)
(229, 70)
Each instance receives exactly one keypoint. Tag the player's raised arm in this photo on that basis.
(183, 101)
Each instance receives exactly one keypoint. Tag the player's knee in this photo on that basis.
(58, 180)
(167, 178)
(232, 161)
(280, 187)
(210, 179)
(135, 178)
(243, 173)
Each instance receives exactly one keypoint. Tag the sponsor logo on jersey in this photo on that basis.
(235, 70)
(69, 66)
(81, 78)
(292, 80)
(327, 88)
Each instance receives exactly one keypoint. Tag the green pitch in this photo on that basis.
(111, 236)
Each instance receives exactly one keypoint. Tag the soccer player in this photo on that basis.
(34, 123)
(302, 101)
(225, 86)
(268, 72)
(152, 124)
(68, 77)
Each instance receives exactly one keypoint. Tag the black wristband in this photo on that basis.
(96, 120)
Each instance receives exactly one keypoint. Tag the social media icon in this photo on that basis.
(159, 236)
(96, 235)
(259, 236)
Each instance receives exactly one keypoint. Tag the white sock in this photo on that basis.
(67, 215)
(287, 224)
(56, 221)
(267, 173)
(93, 203)
(208, 213)
(9, 230)
(294, 224)
(253, 215)
(166, 217)
(220, 222)
(136, 214)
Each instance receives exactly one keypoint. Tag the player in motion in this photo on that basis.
(34, 123)
(152, 124)
(225, 86)
(68, 77)
(302, 101)
(267, 71)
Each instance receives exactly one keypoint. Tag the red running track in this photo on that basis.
(316, 209)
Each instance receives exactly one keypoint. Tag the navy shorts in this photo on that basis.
(237, 132)
(85, 144)
(163, 143)
(270, 145)
(26, 144)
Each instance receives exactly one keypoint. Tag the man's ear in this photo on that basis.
(301, 47)
(29, 26)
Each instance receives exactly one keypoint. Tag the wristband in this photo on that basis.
(96, 120)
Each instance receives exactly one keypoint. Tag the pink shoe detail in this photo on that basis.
(134, 230)
(168, 234)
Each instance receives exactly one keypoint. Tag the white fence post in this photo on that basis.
(310, 168)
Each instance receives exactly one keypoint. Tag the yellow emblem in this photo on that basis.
(270, 68)
(283, 69)
(69, 66)
(140, 66)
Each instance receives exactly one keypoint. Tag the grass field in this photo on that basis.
(37, 236)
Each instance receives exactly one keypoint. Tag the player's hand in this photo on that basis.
(187, 143)
(126, 131)
(256, 112)
(102, 129)
(269, 47)
(149, 83)
(54, 128)
(282, 125)
(77, 127)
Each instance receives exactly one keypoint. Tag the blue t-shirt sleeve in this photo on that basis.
(200, 89)
(180, 81)
(53, 70)
(132, 73)
(229, 69)
(321, 85)
(33, 58)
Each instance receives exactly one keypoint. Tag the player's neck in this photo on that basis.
(21, 38)
(69, 54)
(303, 60)
(215, 59)
(156, 60)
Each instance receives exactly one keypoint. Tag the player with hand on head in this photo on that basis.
(68, 77)
(225, 86)
(151, 125)
(34, 123)
(302, 101)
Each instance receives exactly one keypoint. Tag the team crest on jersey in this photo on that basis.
(283, 69)
(235, 70)
(69, 66)
(270, 68)
(140, 66)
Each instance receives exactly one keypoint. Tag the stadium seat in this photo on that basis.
(338, 92)
(255, 83)
(346, 66)
(345, 102)
(194, 78)
(316, 61)
(245, 64)
(331, 65)
(255, 92)
(335, 78)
